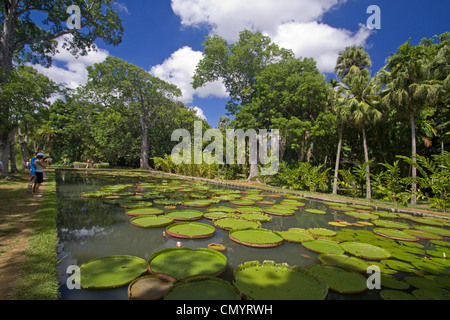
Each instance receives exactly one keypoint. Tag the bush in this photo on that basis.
(302, 176)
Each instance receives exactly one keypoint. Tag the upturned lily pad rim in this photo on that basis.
(196, 203)
(158, 295)
(113, 284)
(322, 286)
(213, 254)
(235, 234)
(239, 223)
(210, 230)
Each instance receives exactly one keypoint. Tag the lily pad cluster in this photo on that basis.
(411, 252)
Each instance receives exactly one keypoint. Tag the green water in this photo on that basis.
(91, 229)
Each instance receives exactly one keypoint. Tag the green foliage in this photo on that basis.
(193, 170)
(303, 176)
(434, 179)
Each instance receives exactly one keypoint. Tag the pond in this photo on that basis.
(96, 227)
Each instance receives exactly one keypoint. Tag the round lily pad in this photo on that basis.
(365, 250)
(295, 203)
(391, 224)
(341, 280)
(203, 290)
(190, 230)
(148, 288)
(423, 234)
(221, 209)
(258, 238)
(111, 272)
(151, 221)
(271, 281)
(217, 215)
(239, 202)
(279, 212)
(291, 236)
(344, 261)
(249, 209)
(317, 211)
(395, 234)
(185, 215)
(235, 223)
(196, 203)
(256, 217)
(361, 215)
(321, 232)
(180, 263)
(144, 212)
(439, 231)
(323, 246)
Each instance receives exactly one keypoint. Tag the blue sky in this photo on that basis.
(165, 37)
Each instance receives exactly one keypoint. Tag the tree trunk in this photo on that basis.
(414, 159)
(144, 146)
(12, 151)
(338, 158)
(366, 157)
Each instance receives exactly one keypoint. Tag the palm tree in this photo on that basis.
(359, 106)
(352, 60)
(362, 110)
(410, 90)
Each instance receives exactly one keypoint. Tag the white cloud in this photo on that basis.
(74, 72)
(179, 69)
(228, 18)
(291, 24)
(199, 113)
(319, 41)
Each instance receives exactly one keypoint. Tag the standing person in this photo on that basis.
(32, 181)
(40, 165)
(1, 168)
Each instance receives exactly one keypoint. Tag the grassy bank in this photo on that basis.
(39, 277)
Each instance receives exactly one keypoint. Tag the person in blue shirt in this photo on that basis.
(32, 181)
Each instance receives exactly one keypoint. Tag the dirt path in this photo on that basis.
(17, 209)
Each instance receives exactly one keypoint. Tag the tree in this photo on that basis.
(237, 65)
(27, 93)
(127, 89)
(410, 89)
(28, 33)
(352, 66)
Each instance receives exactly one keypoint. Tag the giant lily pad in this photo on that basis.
(203, 290)
(144, 212)
(249, 209)
(180, 263)
(344, 261)
(221, 209)
(190, 230)
(256, 217)
(365, 250)
(361, 215)
(439, 231)
(341, 280)
(258, 238)
(185, 215)
(239, 202)
(196, 203)
(323, 246)
(151, 221)
(235, 223)
(395, 234)
(271, 281)
(391, 224)
(279, 211)
(111, 272)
